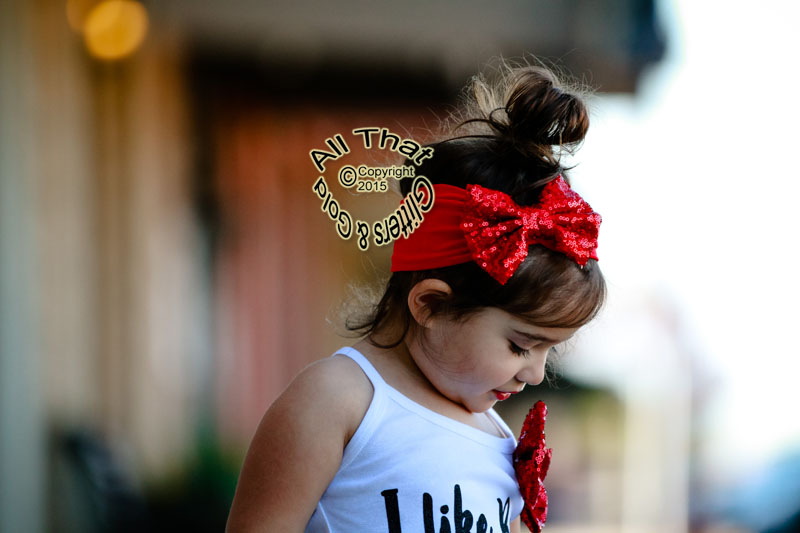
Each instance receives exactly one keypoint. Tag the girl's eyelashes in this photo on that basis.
(525, 352)
(517, 350)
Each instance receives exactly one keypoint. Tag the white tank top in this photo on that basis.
(409, 469)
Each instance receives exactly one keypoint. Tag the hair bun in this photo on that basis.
(504, 132)
(540, 114)
(527, 110)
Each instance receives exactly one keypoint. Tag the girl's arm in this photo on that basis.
(298, 446)
(514, 525)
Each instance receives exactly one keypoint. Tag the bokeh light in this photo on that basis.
(115, 29)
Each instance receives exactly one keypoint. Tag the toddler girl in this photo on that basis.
(397, 432)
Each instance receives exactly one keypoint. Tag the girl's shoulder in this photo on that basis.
(335, 386)
(337, 375)
(310, 423)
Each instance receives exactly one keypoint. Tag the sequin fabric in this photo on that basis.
(531, 461)
(498, 231)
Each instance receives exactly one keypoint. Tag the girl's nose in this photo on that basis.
(533, 371)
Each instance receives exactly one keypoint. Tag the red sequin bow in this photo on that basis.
(498, 231)
(531, 461)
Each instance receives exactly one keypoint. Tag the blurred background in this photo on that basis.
(166, 268)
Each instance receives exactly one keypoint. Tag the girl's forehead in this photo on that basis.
(521, 325)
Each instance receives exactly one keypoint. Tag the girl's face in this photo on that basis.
(486, 359)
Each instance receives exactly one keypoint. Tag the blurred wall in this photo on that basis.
(22, 442)
(103, 314)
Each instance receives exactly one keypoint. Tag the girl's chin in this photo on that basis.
(481, 407)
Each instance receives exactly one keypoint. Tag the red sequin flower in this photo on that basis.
(531, 461)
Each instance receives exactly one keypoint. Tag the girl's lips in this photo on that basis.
(502, 395)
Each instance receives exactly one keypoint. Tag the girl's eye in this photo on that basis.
(517, 350)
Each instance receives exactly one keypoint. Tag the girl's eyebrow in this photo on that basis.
(537, 337)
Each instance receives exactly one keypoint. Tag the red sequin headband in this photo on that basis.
(488, 227)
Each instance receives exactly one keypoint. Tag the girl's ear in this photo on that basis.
(423, 296)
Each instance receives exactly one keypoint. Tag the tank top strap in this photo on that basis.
(366, 366)
(501, 424)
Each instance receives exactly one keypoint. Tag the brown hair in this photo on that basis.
(510, 129)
